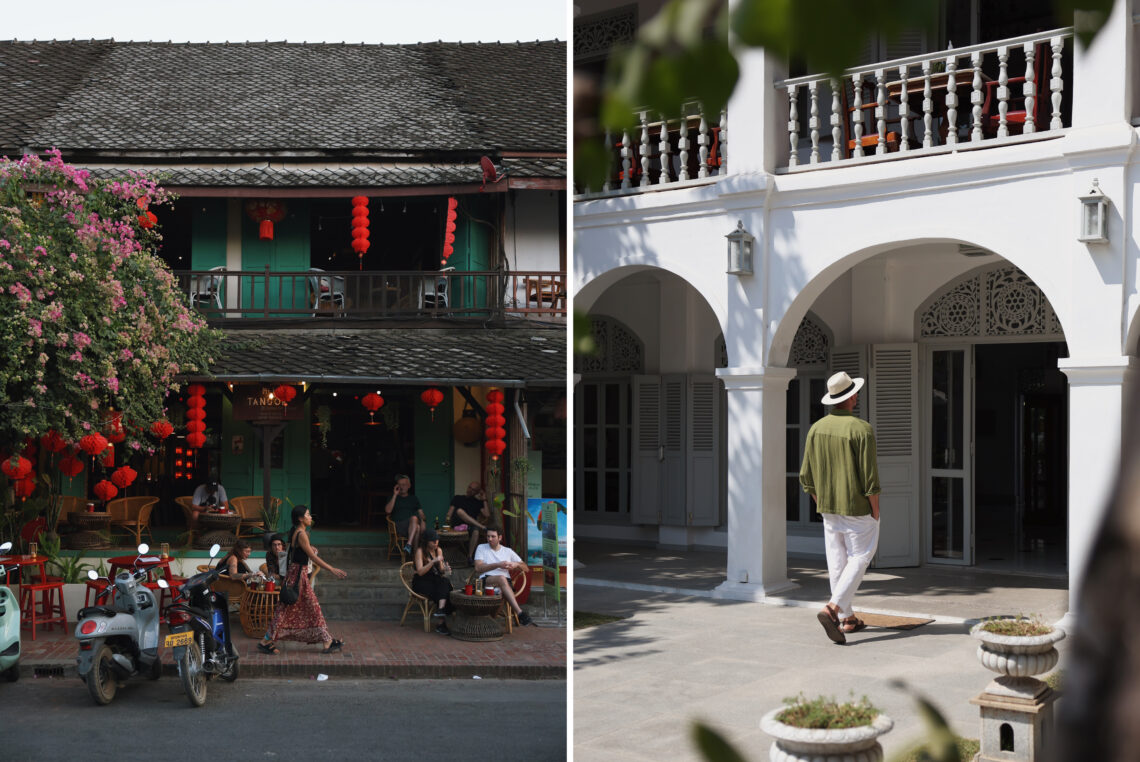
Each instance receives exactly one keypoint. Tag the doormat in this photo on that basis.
(892, 622)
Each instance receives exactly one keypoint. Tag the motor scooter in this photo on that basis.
(200, 634)
(120, 640)
(9, 628)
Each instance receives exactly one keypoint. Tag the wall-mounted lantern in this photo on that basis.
(740, 250)
(1094, 216)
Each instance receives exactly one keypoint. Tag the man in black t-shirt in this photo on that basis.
(473, 510)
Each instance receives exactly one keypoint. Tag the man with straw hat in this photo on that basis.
(841, 473)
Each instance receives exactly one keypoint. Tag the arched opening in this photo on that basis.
(1006, 737)
(649, 416)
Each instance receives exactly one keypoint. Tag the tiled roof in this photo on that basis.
(377, 177)
(204, 99)
(506, 356)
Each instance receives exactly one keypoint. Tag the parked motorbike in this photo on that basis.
(9, 628)
(120, 640)
(200, 634)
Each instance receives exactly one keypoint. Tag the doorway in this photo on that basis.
(1021, 458)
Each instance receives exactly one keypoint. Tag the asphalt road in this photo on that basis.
(283, 719)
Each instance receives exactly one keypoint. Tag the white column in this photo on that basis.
(1101, 88)
(757, 531)
(1095, 422)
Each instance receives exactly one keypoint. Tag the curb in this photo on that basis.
(66, 670)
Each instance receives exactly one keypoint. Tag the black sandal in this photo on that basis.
(335, 646)
(268, 648)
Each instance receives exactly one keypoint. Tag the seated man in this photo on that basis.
(406, 511)
(494, 563)
(208, 497)
(471, 509)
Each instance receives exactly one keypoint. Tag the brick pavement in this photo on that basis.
(372, 649)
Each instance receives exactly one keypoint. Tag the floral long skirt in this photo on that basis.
(303, 621)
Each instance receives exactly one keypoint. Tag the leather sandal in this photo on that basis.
(852, 624)
(830, 621)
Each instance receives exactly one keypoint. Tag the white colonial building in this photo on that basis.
(919, 223)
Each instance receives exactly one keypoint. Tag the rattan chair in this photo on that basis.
(407, 571)
(133, 515)
(519, 581)
(185, 503)
(396, 542)
(249, 508)
(69, 503)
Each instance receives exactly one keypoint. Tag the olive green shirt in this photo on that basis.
(840, 464)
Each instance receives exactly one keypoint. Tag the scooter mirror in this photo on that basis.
(92, 574)
(5, 547)
(214, 549)
(163, 583)
(143, 548)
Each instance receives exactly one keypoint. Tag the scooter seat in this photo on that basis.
(97, 611)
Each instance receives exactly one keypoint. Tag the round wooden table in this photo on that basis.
(94, 530)
(220, 528)
(257, 607)
(474, 618)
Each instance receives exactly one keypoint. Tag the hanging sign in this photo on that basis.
(258, 404)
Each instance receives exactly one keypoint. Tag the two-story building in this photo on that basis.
(357, 219)
(928, 222)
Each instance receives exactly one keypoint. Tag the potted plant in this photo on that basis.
(825, 730)
(1017, 647)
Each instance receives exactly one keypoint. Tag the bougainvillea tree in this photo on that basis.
(91, 319)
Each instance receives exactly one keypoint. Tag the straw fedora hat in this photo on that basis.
(840, 387)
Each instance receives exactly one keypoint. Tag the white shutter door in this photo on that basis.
(673, 436)
(703, 480)
(852, 360)
(894, 416)
(645, 500)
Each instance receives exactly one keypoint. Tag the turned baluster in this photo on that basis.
(881, 111)
(813, 121)
(683, 147)
(857, 114)
(703, 143)
(664, 152)
(977, 97)
(793, 126)
(836, 126)
(1056, 84)
(951, 101)
(927, 107)
(626, 160)
(1030, 88)
(1003, 91)
(722, 149)
(645, 149)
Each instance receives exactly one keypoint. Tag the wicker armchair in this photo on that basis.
(396, 541)
(186, 502)
(133, 515)
(519, 581)
(249, 508)
(68, 504)
(407, 571)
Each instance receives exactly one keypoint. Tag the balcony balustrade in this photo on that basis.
(958, 99)
(232, 294)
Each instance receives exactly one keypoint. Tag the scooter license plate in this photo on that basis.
(179, 639)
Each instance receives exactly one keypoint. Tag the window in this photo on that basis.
(804, 409)
(605, 427)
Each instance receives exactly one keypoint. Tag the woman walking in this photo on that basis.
(302, 621)
(431, 579)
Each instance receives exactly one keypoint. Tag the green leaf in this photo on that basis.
(1086, 16)
(713, 746)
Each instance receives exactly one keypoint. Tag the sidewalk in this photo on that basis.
(371, 650)
(682, 654)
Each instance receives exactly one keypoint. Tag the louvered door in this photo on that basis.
(703, 477)
(949, 456)
(674, 432)
(853, 361)
(893, 393)
(648, 451)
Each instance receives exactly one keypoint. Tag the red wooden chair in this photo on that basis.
(1016, 114)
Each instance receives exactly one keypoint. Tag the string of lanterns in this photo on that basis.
(449, 230)
(196, 404)
(360, 227)
(495, 433)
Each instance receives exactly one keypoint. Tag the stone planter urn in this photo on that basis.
(1016, 708)
(858, 744)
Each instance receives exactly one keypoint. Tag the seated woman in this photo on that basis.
(234, 561)
(431, 578)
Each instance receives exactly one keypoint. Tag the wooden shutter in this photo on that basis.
(894, 416)
(645, 470)
(673, 440)
(703, 468)
(852, 360)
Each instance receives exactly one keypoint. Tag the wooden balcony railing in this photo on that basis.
(222, 293)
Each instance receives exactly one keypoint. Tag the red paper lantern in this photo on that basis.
(147, 220)
(25, 487)
(16, 467)
(194, 402)
(285, 393)
(495, 433)
(105, 490)
(495, 395)
(52, 441)
(196, 426)
(373, 402)
(109, 458)
(162, 429)
(195, 390)
(93, 444)
(432, 397)
(196, 414)
(496, 421)
(70, 465)
(265, 212)
(360, 226)
(495, 447)
(123, 476)
(196, 440)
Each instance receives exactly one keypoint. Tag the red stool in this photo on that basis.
(95, 588)
(48, 610)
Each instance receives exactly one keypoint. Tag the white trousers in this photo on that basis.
(850, 542)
